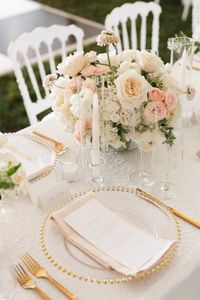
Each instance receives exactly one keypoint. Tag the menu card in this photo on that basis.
(110, 238)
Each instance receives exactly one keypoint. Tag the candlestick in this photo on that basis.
(183, 67)
(96, 177)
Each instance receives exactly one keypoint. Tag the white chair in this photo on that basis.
(30, 51)
(128, 13)
(186, 8)
(195, 15)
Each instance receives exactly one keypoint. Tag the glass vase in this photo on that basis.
(181, 60)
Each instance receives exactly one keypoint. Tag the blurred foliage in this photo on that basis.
(12, 113)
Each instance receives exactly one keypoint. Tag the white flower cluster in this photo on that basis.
(138, 98)
(106, 38)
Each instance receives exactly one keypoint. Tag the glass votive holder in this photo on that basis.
(96, 176)
(69, 163)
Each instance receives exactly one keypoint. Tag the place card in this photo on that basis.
(115, 237)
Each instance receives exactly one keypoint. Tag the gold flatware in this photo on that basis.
(196, 68)
(177, 213)
(37, 270)
(58, 145)
(198, 154)
(27, 282)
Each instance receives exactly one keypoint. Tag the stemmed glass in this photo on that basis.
(165, 160)
(141, 177)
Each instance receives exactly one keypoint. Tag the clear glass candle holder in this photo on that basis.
(69, 163)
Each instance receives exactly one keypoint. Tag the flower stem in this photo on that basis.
(107, 52)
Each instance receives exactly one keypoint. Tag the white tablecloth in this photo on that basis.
(178, 281)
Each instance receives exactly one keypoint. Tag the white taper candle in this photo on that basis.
(95, 137)
(184, 60)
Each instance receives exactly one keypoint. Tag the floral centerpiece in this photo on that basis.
(138, 98)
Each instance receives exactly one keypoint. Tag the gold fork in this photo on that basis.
(60, 147)
(27, 282)
(37, 270)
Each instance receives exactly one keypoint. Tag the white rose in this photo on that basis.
(91, 56)
(72, 64)
(81, 104)
(3, 139)
(61, 94)
(115, 59)
(126, 65)
(149, 62)
(129, 55)
(147, 140)
(61, 103)
(170, 82)
(196, 34)
(132, 89)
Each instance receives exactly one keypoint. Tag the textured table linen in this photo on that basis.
(178, 281)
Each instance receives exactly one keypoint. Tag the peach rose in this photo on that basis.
(95, 70)
(170, 101)
(156, 95)
(155, 111)
(132, 89)
(87, 125)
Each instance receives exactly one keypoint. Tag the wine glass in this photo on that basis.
(165, 160)
(140, 177)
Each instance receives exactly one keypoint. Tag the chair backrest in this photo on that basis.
(31, 53)
(122, 20)
(195, 15)
(186, 8)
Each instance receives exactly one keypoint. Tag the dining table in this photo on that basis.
(179, 280)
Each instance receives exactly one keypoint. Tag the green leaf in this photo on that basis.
(4, 185)
(167, 131)
(12, 170)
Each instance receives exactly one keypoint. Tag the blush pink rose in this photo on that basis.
(74, 84)
(102, 70)
(156, 95)
(155, 111)
(89, 84)
(170, 101)
(87, 125)
(95, 70)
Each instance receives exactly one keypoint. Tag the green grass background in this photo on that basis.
(12, 113)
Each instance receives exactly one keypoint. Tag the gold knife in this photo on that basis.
(177, 213)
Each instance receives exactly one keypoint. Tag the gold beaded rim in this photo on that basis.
(51, 150)
(115, 280)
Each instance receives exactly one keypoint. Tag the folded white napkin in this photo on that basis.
(107, 261)
(33, 167)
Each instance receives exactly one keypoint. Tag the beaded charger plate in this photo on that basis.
(33, 150)
(150, 216)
